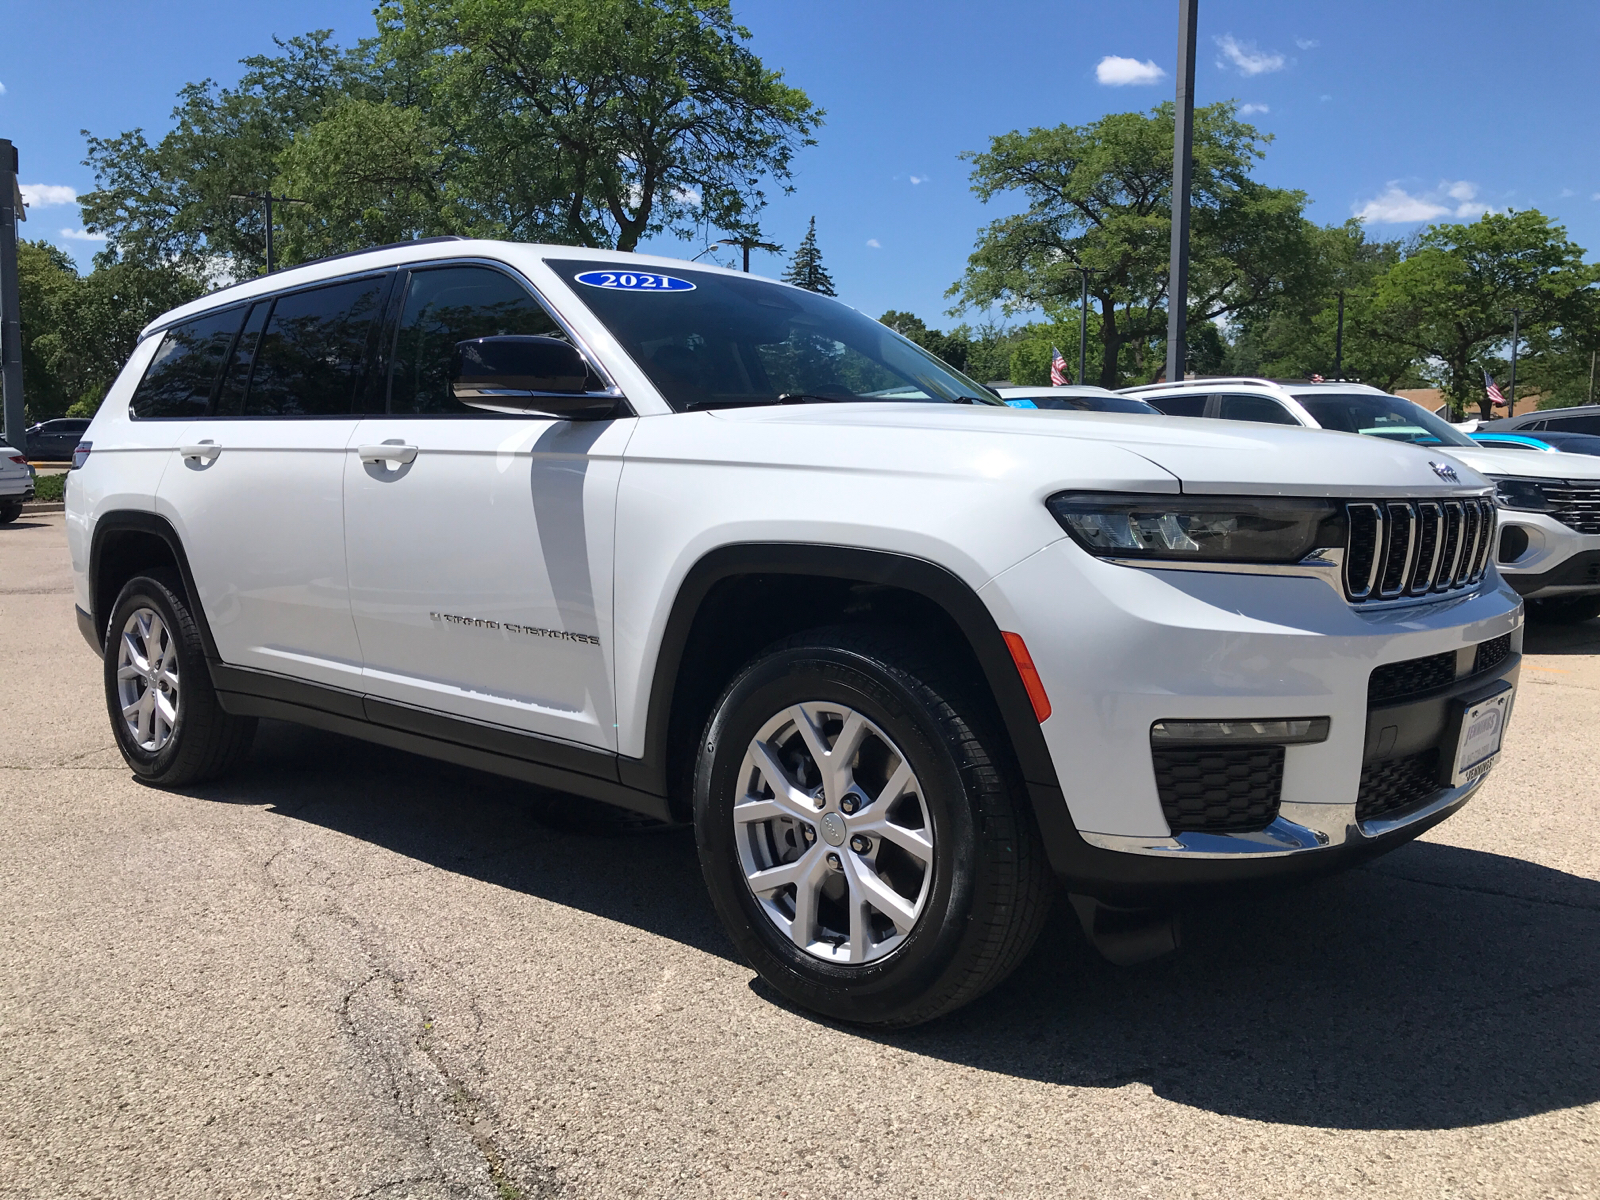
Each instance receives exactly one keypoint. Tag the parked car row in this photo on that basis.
(54, 440)
(906, 654)
(16, 484)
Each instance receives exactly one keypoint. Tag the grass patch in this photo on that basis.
(50, 488)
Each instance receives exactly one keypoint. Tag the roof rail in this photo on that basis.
(427, 241)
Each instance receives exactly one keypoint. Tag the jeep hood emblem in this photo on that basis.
(1445, 472)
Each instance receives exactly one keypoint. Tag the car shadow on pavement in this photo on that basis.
(1436, 987)
(1583, 638)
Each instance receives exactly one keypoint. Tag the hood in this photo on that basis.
(1205, 456)
(1528, 464)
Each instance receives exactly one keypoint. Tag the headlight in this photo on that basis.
(1258, 529)
(1525, 494)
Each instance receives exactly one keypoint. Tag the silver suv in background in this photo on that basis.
(1548, 547)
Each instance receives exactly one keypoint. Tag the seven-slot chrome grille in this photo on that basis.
(1403, 548)
(1575, 504)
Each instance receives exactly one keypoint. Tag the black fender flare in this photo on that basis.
(137, 521)
(953, 595)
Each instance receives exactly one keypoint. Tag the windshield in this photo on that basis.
(710, 340)
(1391, 417)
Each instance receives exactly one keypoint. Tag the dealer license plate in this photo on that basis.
(1482, 727)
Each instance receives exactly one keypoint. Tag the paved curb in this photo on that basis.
(44, 507)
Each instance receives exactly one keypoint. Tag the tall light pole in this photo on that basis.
(11, 211)
(1511, 399)
(1083, 321)
(1182, 178)
(270, 199)
(1338, 343)
(748, 244)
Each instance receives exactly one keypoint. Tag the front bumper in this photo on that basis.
(1121, 648)
(1557, 561)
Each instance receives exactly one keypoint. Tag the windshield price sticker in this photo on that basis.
(634, 281)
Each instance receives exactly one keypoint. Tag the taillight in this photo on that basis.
(19, 460)
(80, 454)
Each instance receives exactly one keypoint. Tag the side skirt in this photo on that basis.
(559, 766)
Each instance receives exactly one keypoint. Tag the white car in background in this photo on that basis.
(1549, 540)
(16, 484)
(1075, 398)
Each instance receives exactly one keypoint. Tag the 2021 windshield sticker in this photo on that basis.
(634, 281)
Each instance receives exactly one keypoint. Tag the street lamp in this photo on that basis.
(748, 244)
(1182, 178)
(1511, 398)
(11, 211)
(1083, 319)
(270, 199)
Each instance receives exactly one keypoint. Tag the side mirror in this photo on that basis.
(524, 373)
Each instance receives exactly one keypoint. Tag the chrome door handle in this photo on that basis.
(206, 451)
(388, 452)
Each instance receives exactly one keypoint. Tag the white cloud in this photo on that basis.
(47, 195)
(874, 243)
(1114, 71)
(1596, 196)
(916, 179)
(1396, 206)
(1324, 96)
(83, 235)
(688, 195)
(1307, 43)
(1565, 192)
(2, 89)
(1246, 109)
(1246, 57)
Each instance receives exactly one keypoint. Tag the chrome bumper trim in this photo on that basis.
(1299, 829)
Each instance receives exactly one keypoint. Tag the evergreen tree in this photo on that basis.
(806, 269)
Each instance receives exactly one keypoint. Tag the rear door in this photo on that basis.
(255, 488)
(1246, 406)
(480, 554)
(1178, 404)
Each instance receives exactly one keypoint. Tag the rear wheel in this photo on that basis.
(859, 832)
(10, 512)
(1564, 610)
(164, 712)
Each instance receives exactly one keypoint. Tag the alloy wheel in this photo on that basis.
(834, 835)
(147, 679)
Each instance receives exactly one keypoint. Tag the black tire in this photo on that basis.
(991, 886)
(1564, 610)
(9, 513)
(205, 742)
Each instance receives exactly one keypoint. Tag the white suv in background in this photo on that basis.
(718, 550)
(17, 481)
(1549, 542)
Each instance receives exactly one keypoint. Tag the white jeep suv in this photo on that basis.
(718, 550)
(1549, 541)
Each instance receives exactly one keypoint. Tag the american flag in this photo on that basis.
(1493, 388)
(1058, 369)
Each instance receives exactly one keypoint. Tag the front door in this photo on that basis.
(255, 488)
(480, 545)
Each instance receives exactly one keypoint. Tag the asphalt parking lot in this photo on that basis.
(349, 972)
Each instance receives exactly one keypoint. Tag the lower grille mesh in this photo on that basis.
(1410, 677)
(1234, 789)
(1397, 784)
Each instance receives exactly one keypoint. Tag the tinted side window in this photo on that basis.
(178, 381)
(236, 375)
(447, 305)
(1255, 408)
(1187, 405)
(310, 356)
(1573, 424)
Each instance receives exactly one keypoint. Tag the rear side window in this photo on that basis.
(179, 379)
(1185, 405)
(1262, 409)
(447, 305)
(312, 352)
(1572, 424)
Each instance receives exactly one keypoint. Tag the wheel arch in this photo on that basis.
(125, 542)
(826, 582)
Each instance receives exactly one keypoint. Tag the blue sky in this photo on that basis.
(1408, 111)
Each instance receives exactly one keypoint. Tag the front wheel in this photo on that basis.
(860, 832)
(9, 512)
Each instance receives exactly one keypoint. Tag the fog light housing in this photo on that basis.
(1268, 731)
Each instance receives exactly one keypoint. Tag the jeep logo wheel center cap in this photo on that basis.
(833, 829)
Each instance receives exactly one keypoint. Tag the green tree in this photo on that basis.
(44, 276)
(631, 117)
(954, 347)
(1451, 299)
(1100, 196)
(806, 269)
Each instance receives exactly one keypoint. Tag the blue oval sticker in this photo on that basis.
(634, 281)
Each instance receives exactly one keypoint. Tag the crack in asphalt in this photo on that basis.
(393, 1037)
(1480, 891)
